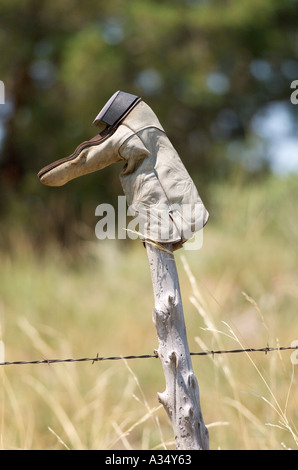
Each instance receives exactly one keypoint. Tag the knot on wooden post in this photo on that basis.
(192, 381)
(160, 320)
(174, 359)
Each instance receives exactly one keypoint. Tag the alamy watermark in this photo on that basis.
(157, 223)
(294, 95)
(2, 92)
(294, 355)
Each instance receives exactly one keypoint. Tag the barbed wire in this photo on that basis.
(98, 358)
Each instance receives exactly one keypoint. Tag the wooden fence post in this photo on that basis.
(181, 398)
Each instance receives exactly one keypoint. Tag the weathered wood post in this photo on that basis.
(181, 398)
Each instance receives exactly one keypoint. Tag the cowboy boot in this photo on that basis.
(157, 186)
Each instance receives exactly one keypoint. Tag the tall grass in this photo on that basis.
(239, 290)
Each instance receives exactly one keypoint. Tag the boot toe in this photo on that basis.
(52, 178)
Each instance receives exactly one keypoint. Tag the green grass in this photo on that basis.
(239, 290)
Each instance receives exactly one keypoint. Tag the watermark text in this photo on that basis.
(161, 223)
(2, 92)
(294, 355)
(294, 95)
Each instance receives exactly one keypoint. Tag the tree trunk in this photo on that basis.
(181, 398)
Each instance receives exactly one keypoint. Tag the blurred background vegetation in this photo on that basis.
(218, 74)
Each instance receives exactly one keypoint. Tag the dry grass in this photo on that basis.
(240, 290)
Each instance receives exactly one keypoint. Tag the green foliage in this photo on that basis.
(205, 67)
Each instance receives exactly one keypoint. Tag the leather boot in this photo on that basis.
(157, 186)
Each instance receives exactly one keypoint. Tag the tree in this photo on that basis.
(205, 67)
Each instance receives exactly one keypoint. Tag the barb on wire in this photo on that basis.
(144, 356)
